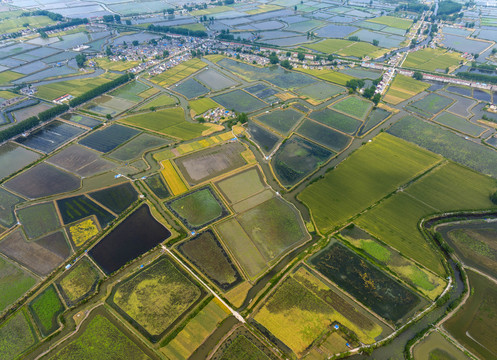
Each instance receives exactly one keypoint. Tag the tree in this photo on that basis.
(108, 51)
(494, 50)
(170, 11)
(493, 198)
(80, 60)
(44, 35)
(447, 70)
(108, 116)
(286, 64)
(376, 98)
(295, 8)
(117, 18)
(418, 75)
(355, 84)
(376, 42)
(165, 53)
(128, 22)
(369, 92)
(301, 56)
(288, 54)
(135, 43)
(354, 38)
(330, 57)
(273, 58)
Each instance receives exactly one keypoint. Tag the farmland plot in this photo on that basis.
(190, 88)
(266, 139)
(353, 106)
(324, 135)
(81, 160)
(14, 157)
(79, 207)
(239, 101)
(16, 336)
(14, 282)
(241, 185)
(45, 308)
(117, 198)
(158, 186)
(8, 201)
(430, 105)
(136, 147)
(215, 80)
(78, 282)
(281, 120)
(39, 219)
(109, 138)
(336, 120)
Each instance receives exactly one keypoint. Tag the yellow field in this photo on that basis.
(82, 232)
(237, 295)
(8, 76)
(173, 179)
(107, 64)
(403, 88)
(178, 72)
(7, 95)
(200, 106)
(328, 75)
(214, 57)
(263, 8)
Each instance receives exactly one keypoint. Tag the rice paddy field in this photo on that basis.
(327, 75)
(347, 48)
(336, 120)
(459, 123)
(14, 157)
(392, 22)
(117, 198)
(303, 307)
(79, 282)
(319, 91)
(190, 88)
(239, 101)
(474, 324)
(16, 336)
(39, 219)
(173, 179)
(242, 185)
(437, 345)
(162, 100)
(158, 186)
(430, 105)
(200, 106)
(353, 106)
(45, 309)
(265, 139)
(170, 122)
(433, 60)
(323, 135)
(14, 282)
(355, 184)
(79, 207)
(178, 72)
(403, 88)
(156, 297)
(281, 120)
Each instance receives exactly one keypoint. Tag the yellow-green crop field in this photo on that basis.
(392, 21)
(432, 59)
(8, 76)
(179, 72)
(107, 64)
(403, 88)
(328, 75)
(16, 24)
(200, 106)
(347, 48)
(74, 87)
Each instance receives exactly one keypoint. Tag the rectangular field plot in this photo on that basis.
(107, 105)
(45, 308)
(160, 100)
(99, 338)
(430, 105)
(136, 235)
(424, 281)
(281, 120)
(158, 186)
(131, 91)
(320, 91)
(136, 147)
(167, 122)
(190, 88)
(375, 117)
(239, 101)
(403, 88)
(200, 106)
(16, 336)
(210, 163)
(78, 282)
(370, 173)
(460, 124)
(198, 209)
(38, 219)
(117, 198)
(179, 72)
(241, 185)
(297, 158)
(173, 179)
(50, 136)
(324, 135)
(14, 157)
(8, 201)
(82, 231)
(140, 298)
(266, 139)
(363, 281)
(328, 75)
(303, 307)
(79, 207)
(215, 80)
(353, 106)
(432, 59)
(448, 144)
(207, 254)
(474, 324)
(109, 138)
(81, 161)
(43, 180)
(81, 119)
(436, 345)
(336, 120)
(14, 282)
(40, 256)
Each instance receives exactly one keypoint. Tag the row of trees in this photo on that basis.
(112, 18)
(177, 30)
(63, 25)
(51, 15)
(478, 77)
(99, 90)
(31, 122)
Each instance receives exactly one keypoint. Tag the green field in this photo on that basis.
(99, 339)
(178, 72)
(241, 185)
(302, 308)
(17, 23)
(131, 91)
(242, 348)
(346, 48)
(39, 219)
(403, 88)
(430, 105)
(45, 309)
(155, 297)
(475, 325)
(200, 106)
(392, 21)
(159, 101)
(239, 100)
(198, 208)
(281, 120)
(14, 282)
(16, 336)
(369, 174)
(435, 346)
(459, 123)
(327, 75)
(79, 281)
(74, 87)
(330, 46)
(353, 106)
(7, 76)
(432, 59)
(169, 122)
(195, 332)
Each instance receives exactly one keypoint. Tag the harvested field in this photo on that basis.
(117, 198)
(356, 183)
(367, 283)
(198, 209)
(155, 298)
(336, 120)
(39, 219)
(14, 282)
(297, 158)
(303, 307)
(82, 161)
(173, 179)
(241, 185)
(136, 147)
(78, 282)
(14, 157)
(43, 180)
(109, 138)
(136, 235)
(240, 101)
(41, 256)
(45, 309)
(281, 120)
(324, 135)
(206, 164)
(80, 207)
(16, 336)
(207, 254)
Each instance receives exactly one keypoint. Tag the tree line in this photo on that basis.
(177, 30)
(99, 90)
(478, 77)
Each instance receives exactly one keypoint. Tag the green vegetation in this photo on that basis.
(346, 48)
(436, 347)
(169, 122)
(459, 123)
(7, 76)
(17, 23)
(39, 219)
(357, 184)
(200, 106)
(16, 336)
(403, 88)
(79, 282)
(155, 297)
(179, 72)
(432, 59)
(243, 349)
(241, 185)
(159, 101)
(45, 309)
(100, 339)
(353, 106)
(14, 282)
(327, 75)
(393, 22)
